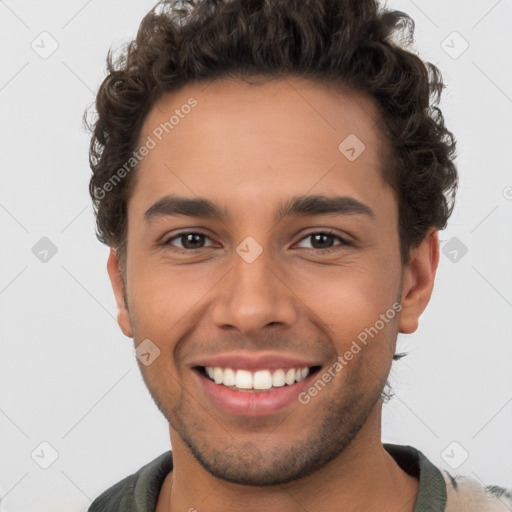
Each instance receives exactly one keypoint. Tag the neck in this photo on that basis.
(363, 477)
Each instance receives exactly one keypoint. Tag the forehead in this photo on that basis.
(242, 142)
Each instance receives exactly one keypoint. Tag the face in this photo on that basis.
(256, 248)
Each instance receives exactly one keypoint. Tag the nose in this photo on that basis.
(253, 296)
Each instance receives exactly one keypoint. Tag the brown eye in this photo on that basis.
(323, 240)
(188, 240)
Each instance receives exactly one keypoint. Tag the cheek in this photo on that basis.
(355, 304)
(164, 300)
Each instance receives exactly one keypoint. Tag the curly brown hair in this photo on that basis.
(349, 42)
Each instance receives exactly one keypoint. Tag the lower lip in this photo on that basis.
(252, 403)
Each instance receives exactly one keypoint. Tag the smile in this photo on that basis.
(260, 392)
(258, 380)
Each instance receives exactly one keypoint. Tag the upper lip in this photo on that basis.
(255, 361)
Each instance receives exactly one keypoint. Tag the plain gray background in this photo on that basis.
(69, 377)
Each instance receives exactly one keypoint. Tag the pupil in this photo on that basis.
(190, 238)
(323, 235)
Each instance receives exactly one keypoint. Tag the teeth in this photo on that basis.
(278, 379)
(229, 377)
(243, 379)
(261, 379)
(217, 375)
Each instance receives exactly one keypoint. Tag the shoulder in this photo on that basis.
(466, 494)
(440, 490)
(138, 491)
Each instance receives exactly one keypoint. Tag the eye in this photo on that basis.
(189, 240)
(322, 240)
(192, 240)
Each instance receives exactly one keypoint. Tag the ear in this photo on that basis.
(116, 279)
(418, 281)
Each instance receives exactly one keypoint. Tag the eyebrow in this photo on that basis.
(172, 205)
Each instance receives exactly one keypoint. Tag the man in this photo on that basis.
(271, 177)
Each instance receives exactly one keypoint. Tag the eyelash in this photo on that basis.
(344, 242)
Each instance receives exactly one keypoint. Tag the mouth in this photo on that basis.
(263, 380)
(260, 392)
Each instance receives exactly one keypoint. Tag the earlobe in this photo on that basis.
(116, 279)
(418, 281)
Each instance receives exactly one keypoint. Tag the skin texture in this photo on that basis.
(249, 148)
